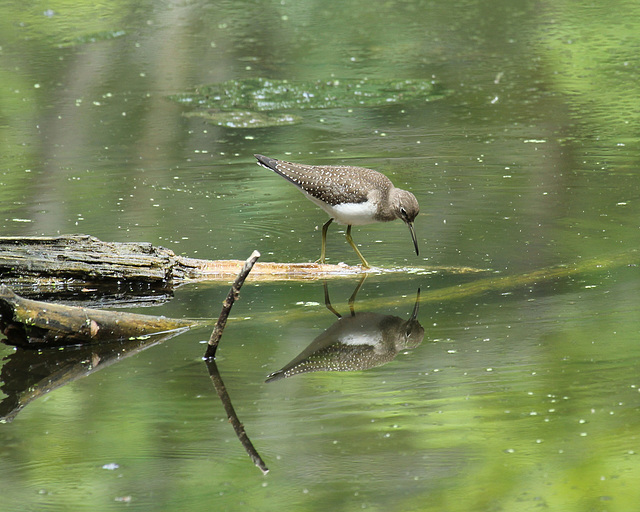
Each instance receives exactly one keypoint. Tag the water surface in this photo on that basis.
(522, 394)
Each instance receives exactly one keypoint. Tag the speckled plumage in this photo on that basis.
(332, 184)
(350, 195)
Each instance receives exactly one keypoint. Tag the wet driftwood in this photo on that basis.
(82, 257)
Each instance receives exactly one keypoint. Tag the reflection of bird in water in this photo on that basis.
(358, 342)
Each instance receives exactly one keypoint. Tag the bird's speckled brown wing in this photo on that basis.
(331, 184)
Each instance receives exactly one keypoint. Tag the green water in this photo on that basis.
(523, 393)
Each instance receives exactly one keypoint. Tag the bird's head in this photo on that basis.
(406, 207)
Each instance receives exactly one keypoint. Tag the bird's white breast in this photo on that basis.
(356, 214)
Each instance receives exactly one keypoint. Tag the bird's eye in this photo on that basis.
(403, 212)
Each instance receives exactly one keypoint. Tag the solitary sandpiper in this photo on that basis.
(350, 195)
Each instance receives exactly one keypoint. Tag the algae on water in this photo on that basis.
(239, 103)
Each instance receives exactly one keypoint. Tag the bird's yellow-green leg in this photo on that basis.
(324, 240)
(352, 299)
(350, 240)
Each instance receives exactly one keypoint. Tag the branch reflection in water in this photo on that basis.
(357, 342)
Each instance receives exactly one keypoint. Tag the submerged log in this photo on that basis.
(31, 323)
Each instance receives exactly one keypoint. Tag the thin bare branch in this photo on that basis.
(232, 296)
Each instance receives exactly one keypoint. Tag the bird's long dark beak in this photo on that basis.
(413, 237)
(416, 307)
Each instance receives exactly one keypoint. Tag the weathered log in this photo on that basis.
(83, 257)
(69, 259)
